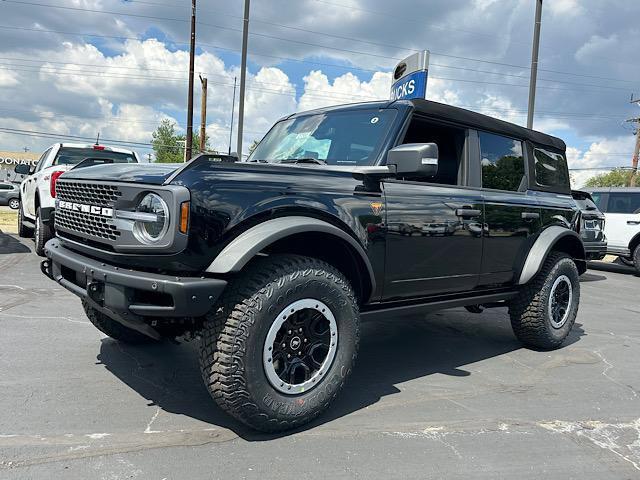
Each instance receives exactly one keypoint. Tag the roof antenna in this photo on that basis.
(98, 139)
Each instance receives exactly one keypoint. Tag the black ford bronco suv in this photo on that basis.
(340, 214)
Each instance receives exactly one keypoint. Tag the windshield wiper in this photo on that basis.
(259, 160)
(316, 161)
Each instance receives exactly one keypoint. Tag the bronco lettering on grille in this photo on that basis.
(81, 207)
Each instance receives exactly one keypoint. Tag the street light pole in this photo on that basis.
(534, 63)
(243, 76)
(192, 51)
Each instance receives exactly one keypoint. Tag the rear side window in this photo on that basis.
(4, 186)
(502, 162)
(551, 169)
(624, 202)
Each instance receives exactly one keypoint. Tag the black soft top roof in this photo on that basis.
(457, 115)
(484, 122)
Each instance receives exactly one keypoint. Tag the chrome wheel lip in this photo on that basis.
(275, 381)
(552, 304)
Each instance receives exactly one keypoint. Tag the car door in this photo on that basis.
(623, 218)
(512, 214)
(433, 226)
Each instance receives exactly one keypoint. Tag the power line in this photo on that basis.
(310, 43)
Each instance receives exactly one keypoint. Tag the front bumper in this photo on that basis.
(130, 296)
(595, 250)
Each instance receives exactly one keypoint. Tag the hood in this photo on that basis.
(150, 173)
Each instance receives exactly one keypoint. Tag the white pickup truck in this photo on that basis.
(38, 189)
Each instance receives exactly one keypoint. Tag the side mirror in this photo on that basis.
(22, 169)
(414, 159)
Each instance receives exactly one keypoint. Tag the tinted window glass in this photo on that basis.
(551, 169)
(502, 162)
(624, 202)
(4, 186)
(73, 156)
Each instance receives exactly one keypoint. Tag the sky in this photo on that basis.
(118, 67)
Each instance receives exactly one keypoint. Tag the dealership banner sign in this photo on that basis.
(12, 162)
(410, 77)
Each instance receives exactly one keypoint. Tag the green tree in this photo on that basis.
(617, 177)
(168, 144)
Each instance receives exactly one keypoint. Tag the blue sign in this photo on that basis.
(413, 85)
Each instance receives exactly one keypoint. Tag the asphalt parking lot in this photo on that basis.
(449, 395)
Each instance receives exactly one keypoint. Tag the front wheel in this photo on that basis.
(545, 310)
(42, 234)
(14, 203)
(23, 230)
(278, 348)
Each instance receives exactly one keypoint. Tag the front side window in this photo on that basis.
(40, 163)
(551, 169)
(502, 162)
(624, 202)
(334, 138)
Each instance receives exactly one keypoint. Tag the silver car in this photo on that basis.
(9, 195)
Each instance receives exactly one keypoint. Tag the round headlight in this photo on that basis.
(153, 228)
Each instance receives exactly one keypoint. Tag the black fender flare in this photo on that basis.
(543, 245)
(249, 243)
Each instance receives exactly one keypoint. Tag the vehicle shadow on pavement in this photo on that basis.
(613, 268)
(10, 244)
(392, 351)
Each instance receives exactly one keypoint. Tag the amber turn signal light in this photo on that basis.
(184, 217)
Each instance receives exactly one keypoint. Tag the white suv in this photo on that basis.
(38, 189)
(621, 207)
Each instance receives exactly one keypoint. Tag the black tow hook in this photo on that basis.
(45, 267)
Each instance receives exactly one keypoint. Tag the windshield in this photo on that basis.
(73, 156)
(338, 138)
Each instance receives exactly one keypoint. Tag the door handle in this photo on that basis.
(467, 213)
(633, 222)
(530, 215)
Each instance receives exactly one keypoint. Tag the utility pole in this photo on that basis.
(203, 115)
(534, 63)
(192, 52)
(233, 106)
(243, 75)
(636, 151)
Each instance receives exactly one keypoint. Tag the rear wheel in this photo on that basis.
(23, 230)
(278, 348)
(42, 234)
(636, 258)
(114, 329)
(14, 203)
(545, 310)
(627, 261)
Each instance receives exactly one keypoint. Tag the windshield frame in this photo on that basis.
(376, 156)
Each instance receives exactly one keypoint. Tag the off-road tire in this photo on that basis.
(23, 230)
(14, 203)
(627, 261)
(114, 329)
(42, 234)
(636, 258)
(530, 319)
(231, 351)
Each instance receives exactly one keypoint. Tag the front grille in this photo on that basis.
(89, 193)
(87, 224)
